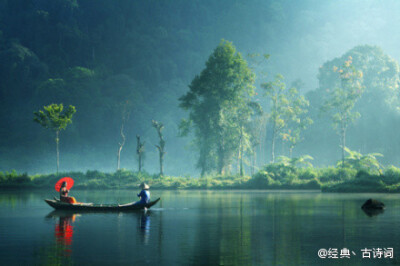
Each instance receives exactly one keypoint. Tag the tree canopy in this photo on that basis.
(218, 102)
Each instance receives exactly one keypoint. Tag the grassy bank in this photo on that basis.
(271, 176)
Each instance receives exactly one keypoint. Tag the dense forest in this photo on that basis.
(123, 64)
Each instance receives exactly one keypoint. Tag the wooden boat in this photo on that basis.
(58, 205)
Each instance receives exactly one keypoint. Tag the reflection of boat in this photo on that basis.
(373, 212)
(58, 205)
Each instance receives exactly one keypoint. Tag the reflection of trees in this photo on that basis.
(15, 198)
(274, 228)
(223, 236)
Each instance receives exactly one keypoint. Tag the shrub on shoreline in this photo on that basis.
(273, 176)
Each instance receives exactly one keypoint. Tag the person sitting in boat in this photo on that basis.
(144, 194)
(64, 194)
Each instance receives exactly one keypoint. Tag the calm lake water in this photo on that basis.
(200, 228)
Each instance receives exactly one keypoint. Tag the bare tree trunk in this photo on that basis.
(241, 151)
(121, 144)
(220, 152)
(273, 145)
(221, 158)
(254, 160)
(159, 127)
(58, 151)
(140, 163)
(119, 157)
(139, 151)
(203, 171)
(161, 163)
(343, 141)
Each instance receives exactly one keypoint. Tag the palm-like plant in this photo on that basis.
(297, 162)
(366, 162)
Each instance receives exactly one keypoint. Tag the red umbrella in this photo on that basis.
(69, 180)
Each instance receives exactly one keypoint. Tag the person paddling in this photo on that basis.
(64, 194)
(144, 195)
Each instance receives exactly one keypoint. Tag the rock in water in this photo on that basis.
(373, 204)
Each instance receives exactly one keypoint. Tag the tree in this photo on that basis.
(53, 118)
(125, 113)
(377, 105)
(248, 134)
(275, 90)
(296, 118)
(342, 98)
(217, 96)
(161, 146)
(139, 152)
(256, 127)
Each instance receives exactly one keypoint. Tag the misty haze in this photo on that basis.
(96, 56)
(240, 116)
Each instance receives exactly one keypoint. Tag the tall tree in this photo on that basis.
(216, 97)
(342, 98)
(161, 146)
(276, 91)
(52, 117)
(380, 97)
(125, 113)
(246, 117)
(296, 118)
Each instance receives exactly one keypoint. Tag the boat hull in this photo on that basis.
(58, 205)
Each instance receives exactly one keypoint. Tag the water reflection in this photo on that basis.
(200, 228)
(144, 226)
(373, 212)
(64, 231)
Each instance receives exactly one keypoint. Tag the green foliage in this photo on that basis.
(14, 180)
(302, 161)
(219, 107)
(343, 95)
(333, 174)
(358, 185)
(52, 116)
(379, 71)
(296, 118)
(280, 171)
(288, 113)
(308, 173)
(306, 184)
(391, 175)
(263, 179)
(273, 176)
(360, 162)
(276, 92)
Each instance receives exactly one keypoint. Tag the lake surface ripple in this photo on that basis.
(201, 228)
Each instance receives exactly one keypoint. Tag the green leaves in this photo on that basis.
(296, 162)
(366, 162)
(342, 98)
(288, 111)
(52, 116)
(220, 106)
